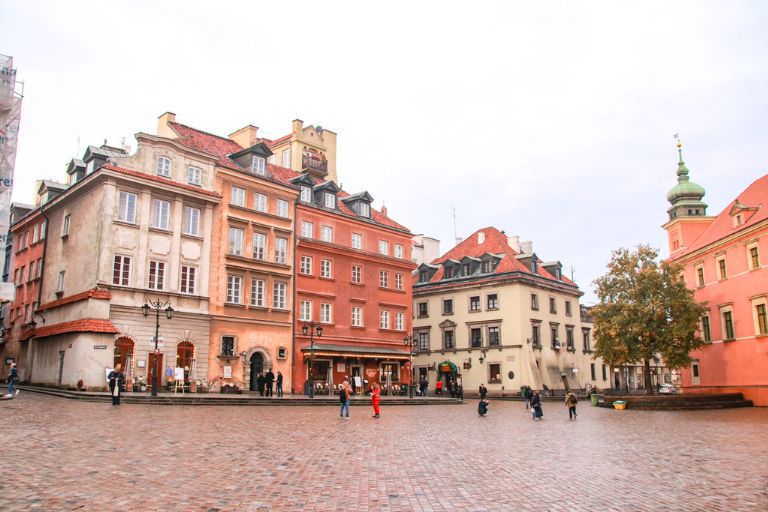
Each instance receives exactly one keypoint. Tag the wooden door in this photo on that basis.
(151, 370)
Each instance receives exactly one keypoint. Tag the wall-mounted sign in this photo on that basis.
(141, 363)
(99, 347)
(227, 372)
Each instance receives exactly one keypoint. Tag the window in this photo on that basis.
(259, 165)
(325, 313)
(398, 281)
(257, 293)
(234, 289)
(238, 196)
(121, 271)
(700, 276)
(282, 208)
(587, 342)
(357, 274)
(306, 195)
(398, 251)
(383, 279)
(706, 333)
(754, 258)
(305, 310)
(287, 158)
(329, 200)
(31, 275)
(569, 342)
(554, 334)
(160, 214)
(259, 245)
(493, 301)
(281, 250)
(357, 241)
(384, 319)
(568, 308)
(326, 234)
(476, 337)
(466, 269)
(447, 306)
(236, 236)
(156, 275)
(493, 336)
(306, 265)
(448, 272)
(423, 340)
(728, 332)
(448, 339)
(188, 279)
(259, 202)
(36, 234)
(39, 267)
(423, 276)
(384, 247)
(325, 269)
(552, 305)
(365, 210)
(191, 221)
(43, 229)
(399, 321)
(26, 312)
(278, 296)
(164, 166)
(474, 303)
(422, 308)
(762, 320)
(357, 316)
(534, 302)
(126, 211)
(228, 345)
(486, 267)
(307, 229)
(494, 373)
(194, 175)
(65, 226)
(721, 268)
(592, 370)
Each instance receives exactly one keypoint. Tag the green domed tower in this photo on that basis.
(685, 197)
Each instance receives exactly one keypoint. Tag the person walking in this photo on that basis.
(570, 403)
(116, 380)
(483, 391)
(13, 378)
(424, 387)
(528, 395)
(375, 398)
(537, 412)
(344, 393)
(269, 379)
(260, 383)
(279, 382)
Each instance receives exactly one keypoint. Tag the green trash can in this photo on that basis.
(593, 398)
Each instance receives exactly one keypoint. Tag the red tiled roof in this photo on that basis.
(95, 293)
(160, 179)
(754, 195)
(279, 140)
(82, 325)
(221, 148)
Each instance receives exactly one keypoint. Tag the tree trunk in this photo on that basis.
(647, 376)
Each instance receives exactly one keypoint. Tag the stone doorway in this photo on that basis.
(256, 367)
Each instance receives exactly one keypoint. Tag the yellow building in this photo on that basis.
(306, 149)
(490, 312)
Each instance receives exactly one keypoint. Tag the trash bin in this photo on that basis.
(593, 399)
(620, 405)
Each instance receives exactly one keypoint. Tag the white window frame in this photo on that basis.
(259, 245)
(238, 196)
(260, 202)
(123, 262)
(365, 210)
(279, 295)
(384, 247)
(188, 279)
(126, 209)
(281, 250)
(156, 282)
(306, 194)
(357, 241)
(357, 274)
(305, 265)
(398, 251)
(383, 279)
(194, 175)
(399, 321)
(754, 246)
(259, 165)
(383, 319)
(191, 224)
(234, 289)
(282, 208)
(398, 281)
(720, 274)
(326, 233)
(329, 200)
(357, 316)
(164, 167)
(286, 158)
(66, 224)
(307, 229)
(326, 269)
(236, 241)
(756, 303)
(326, 313)
(305, 310)
(258, 289)
(161, 214)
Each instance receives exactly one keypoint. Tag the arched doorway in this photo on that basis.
(257, 366)
(123, 353)
(185, 354)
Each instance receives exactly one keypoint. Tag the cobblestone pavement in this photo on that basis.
(69, 455)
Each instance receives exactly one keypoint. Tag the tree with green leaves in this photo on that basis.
(645, 309)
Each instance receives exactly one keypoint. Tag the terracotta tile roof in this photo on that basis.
(160, 179)
(754, 195)
(221, 148)
(277, 141)
(95, 293)
(82, 325)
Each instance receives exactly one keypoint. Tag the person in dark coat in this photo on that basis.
(482, 407)
(279, 384)
(424, 387)
(483, 391)
(260, 384)
(528, 396)
(116, 380)
(269, 379)
(537, 413)
(13, 378)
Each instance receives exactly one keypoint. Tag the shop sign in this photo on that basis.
(99, 347)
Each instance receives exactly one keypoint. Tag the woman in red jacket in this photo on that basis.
(375, 397)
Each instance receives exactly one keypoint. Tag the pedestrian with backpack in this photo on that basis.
(570, 403)
(344, 393)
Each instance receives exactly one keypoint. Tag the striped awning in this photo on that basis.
(324, 350)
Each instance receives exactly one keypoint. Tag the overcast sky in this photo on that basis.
(550, 120)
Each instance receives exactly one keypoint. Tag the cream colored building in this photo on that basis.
(490, 312)
(305, 149)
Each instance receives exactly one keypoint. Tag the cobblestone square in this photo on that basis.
(70, 455)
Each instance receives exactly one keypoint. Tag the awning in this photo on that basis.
(324, 350)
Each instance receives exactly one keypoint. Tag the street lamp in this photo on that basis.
(157, 305)
(311, 328)
(409, 340)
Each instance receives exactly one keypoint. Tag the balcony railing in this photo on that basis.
(314, 163)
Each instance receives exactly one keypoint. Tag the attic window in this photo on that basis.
(486, 267)
(448, 272)
(738, 220)
(558, 274)
(259, 165)
(534, 267)
(163, 166)
(423, 276)
(89, 167)
(329, 200)
(306, 195)
(465, 269)
(364, 209)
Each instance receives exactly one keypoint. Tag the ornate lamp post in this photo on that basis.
(311, 328)
(409, 340)
(157, 305)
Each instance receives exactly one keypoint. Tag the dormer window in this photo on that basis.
(259, 165)
(534, 267)
(365, 209)
(465, 269)
(329, 200)
(423, 276)
(163, 166)
(90, 166)
(448, 272)
(306, 195)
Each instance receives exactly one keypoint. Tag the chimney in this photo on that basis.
(481, 237)
(246, 136)
(163, 129)
(384, 210)
(514, 243)
(526, 247)
(297, 125)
